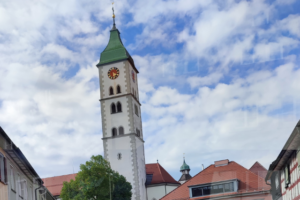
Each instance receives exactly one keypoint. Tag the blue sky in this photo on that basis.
(218, 79)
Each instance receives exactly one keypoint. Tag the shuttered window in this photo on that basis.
(3, 170)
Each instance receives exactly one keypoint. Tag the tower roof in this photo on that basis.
(184, 166)
(115, 50)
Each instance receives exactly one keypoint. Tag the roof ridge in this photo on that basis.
(259, 164)
(59, 175)
(248, 170)
(186, 181)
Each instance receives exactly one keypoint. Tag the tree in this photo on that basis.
(95, 181)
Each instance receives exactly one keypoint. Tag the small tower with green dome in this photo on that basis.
(185, 170)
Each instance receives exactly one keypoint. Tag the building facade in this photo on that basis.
(121, 114)
(159, 182)
(283, 174)
(18, 179)
(223, 180)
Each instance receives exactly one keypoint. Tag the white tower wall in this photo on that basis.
(130, 146)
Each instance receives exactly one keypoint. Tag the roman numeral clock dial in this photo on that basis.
(113, 73)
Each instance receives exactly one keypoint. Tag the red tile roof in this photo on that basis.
(248, 181)
(259, 170)
(55, 184)
(160, 175)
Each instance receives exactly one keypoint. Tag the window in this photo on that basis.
(119, 107)
(3, 172)
(287, 175)
(121, 130)
(138, 133)
(149, 179)
(212, 189)
(119, 156)
(23, 186)
(12, 178)
(111, 91)
(114, 132)
(118, 89)
(113, 108)
(136, 110)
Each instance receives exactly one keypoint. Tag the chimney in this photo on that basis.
(221, 163)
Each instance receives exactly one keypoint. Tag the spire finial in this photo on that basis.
(113, 16)
(183, 156)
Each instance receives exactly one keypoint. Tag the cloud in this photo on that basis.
(229, 117)
(212, 78)
(199, 93)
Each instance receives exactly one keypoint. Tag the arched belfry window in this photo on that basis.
(113, 108)
(119, 107)
(121, 130)
(114, 132)
(111, 91)
(118, 89)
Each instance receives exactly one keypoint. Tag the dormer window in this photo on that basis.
(214, 188)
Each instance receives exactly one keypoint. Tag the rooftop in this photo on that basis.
(249, 182)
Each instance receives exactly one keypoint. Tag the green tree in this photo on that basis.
(96, 180)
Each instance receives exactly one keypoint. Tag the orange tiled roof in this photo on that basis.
(259, 170)
(160, 175)
(55, 184)
(248, 181)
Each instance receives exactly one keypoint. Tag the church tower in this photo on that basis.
(121, 114)
(185, 170)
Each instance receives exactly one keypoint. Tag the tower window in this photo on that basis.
(136, 110)
(113, 108)
(114, 132)
(119, 107)
(119, 156)
(118, 89)
(111, 91)
(138, 133)
(121, 130)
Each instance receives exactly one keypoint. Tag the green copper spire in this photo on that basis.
(184, 166)
(115, 49)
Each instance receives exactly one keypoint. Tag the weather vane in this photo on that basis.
(113, 16)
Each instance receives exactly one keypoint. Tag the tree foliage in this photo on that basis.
(95, 181)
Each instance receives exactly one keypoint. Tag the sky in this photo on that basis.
(218, 79)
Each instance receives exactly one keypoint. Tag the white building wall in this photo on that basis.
(118, 119)
(170, 188)
(125, 165)
(132, 164)
(156, 192)
(141, 166)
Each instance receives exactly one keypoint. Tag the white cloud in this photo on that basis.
(54, 116)
(210, 79)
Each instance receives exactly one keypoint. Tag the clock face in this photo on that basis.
(113, 73)
(133, 75)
